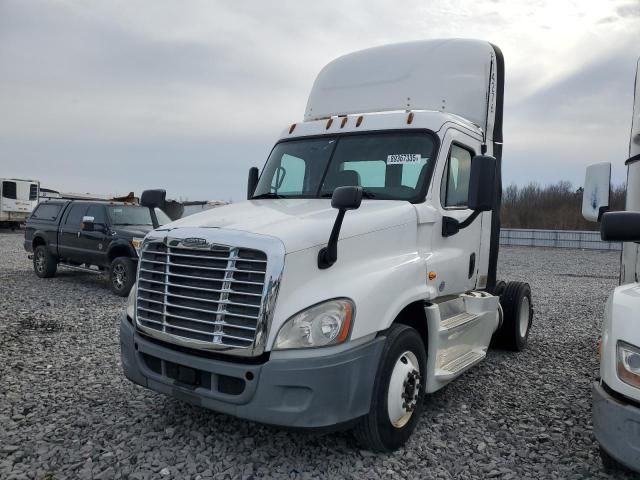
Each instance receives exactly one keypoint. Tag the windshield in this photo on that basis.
(389, 166)
(135, 215)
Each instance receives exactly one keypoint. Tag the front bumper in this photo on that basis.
(317, 392)
(616, 426)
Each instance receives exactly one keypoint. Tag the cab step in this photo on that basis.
(456, 321)
(460, 364)
(79, 268)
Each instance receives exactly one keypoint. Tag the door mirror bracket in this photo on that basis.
(343, 198)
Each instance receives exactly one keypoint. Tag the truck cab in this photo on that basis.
(360, 274)
(616, 394)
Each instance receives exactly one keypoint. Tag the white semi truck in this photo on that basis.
(360, 275)
(616, 394)
(18, 198)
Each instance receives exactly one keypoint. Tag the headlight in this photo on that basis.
(131, 302)
(628, 364)
(137, 244)
(327, 323)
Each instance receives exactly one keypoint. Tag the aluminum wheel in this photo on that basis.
(119, 276)
(40, 261)
(404, 389)
(525, 315)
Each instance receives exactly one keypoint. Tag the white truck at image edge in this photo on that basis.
(616, 394)
(18, 198)
(361, 274)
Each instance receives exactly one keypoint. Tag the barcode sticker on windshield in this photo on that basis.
(403, 158)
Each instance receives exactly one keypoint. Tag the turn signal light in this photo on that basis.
(432, 275)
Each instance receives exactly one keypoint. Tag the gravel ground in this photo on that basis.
(66, 411)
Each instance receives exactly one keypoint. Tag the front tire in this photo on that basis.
(517, 318)
(44, 263)
(398, 392)
(122, 276)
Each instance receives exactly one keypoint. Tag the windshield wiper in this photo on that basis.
(365, 194)
(267, 195)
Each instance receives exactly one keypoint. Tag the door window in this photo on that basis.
(74, 218)
(290, 175)
(97, 212)
(33, 191)
(47, 211)
(454, 189)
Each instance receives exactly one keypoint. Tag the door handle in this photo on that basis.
(78, 234)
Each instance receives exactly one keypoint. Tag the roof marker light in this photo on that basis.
(344, 122)
(359, 121)
(292, 128)
(410, 118)
(329, 122)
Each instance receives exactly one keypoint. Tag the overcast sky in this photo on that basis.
(112, 96)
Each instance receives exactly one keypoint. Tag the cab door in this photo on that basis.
(70, 244)
(94, 241)
(458, 255)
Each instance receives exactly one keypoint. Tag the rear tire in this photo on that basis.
(518, 316)
(122, 276)
(398, 393)
(44, 263)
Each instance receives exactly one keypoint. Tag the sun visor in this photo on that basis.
(454, 75)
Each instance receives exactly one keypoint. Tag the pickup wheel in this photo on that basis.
(517, 309)
(44, 263)
(398, 392)
(122, 275)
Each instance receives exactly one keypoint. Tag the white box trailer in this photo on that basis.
(616, 394)
(361, 274)
(18, 198)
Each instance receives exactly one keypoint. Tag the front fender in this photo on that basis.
(120, 248)
(382, 272)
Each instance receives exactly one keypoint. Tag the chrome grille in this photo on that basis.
(211, 295)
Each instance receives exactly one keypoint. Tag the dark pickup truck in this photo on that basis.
(96, 236)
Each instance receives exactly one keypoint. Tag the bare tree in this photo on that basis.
(556, 206)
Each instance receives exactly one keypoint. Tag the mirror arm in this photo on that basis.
(451, 226)
(602, 211)
(154, 218)
(329, 254)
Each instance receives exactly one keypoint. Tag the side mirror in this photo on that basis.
(620, 227)
(346, 198)
(482, 194)
(252, 182)
(87, 224)
(482, 183)
(595, 196)
(343, 198)
(153, 198)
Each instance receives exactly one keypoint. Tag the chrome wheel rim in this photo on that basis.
(404, 389)
(524, 316)
(40, 262)
(119, 276)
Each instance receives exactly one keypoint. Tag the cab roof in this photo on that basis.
(457, 76)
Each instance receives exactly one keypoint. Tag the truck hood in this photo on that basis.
(300, 223)
(132, 231)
